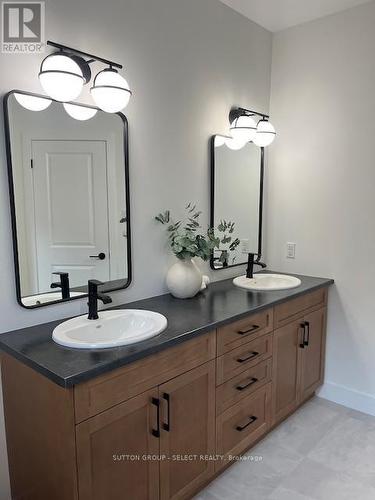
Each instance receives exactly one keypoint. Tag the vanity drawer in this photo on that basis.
(103, 392)
(236, 334)
(242, 385)
(238, 360)
(293, 309)
(243, 424)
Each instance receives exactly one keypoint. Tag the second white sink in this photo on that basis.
(267, 282)
(112, 329)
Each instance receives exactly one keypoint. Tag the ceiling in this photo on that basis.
(276, 15)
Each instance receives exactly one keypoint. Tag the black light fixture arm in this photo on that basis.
(237, 112)
(92, 57)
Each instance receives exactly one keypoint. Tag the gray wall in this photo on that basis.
(188, 62)
(321, 189)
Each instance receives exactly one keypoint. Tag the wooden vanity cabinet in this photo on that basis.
(111, 448)
(150, 442)
(298, 354)
(154, 429)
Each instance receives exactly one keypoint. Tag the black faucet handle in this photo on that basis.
(95, 282)
(61, 273)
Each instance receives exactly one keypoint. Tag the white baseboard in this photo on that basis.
(351, 398)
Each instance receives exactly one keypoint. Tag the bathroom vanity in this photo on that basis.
(161, 418)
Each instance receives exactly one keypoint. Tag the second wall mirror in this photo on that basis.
(69, 186)
(237, 196)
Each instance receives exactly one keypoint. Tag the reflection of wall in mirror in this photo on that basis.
(237, 190)
(55, 124)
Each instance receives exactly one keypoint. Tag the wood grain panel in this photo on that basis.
(243, 424)
(294, 309)
(238, 360)
(240, 332)
(188, 432)
(242, 385)
(39, 421)
(117, 452)
(119, 385)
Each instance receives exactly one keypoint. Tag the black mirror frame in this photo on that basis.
(13, 207)
(212, 203)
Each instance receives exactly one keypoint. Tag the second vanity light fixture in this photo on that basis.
(64, 73)
(244, 129)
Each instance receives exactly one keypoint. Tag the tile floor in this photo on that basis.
(322, 452)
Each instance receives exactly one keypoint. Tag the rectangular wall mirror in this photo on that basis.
(69, 192)
(237, 196)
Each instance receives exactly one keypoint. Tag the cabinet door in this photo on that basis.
(187, 432)
(312, 363)
(111, 451)
(286, 369)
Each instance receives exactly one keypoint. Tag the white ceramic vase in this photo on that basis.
(184, 279)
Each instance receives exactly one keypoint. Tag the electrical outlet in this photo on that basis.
(290, 250)
(245, 246)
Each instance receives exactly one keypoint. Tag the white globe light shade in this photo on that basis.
(81, 113)
(32, 102)
(61, 77)
(219, 140)
(243, 128)
(265, 134)
(110, 91)
(235, 144)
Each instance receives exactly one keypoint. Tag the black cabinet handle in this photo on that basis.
(100, 256)
(245, 386)
(254, 354)
(240, 428)
(167, 425)
(253, 329)
(156, 432)
(306, 340)
(303, 328)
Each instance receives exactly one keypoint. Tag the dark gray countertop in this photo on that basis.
(220, 304)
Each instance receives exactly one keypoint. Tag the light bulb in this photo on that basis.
(110, 91)
(32, 102)
(235, 144)
(61, 77)
(243, 128)
(78, 112)
(265, 134)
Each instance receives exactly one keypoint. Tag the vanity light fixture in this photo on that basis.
(79, 112)
(64, 73)
(243, 128)
(33, 103)
(110, 91)
(263, 133)
(234, 143)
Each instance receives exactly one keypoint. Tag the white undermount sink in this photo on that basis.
(112, 329)
(267, 282)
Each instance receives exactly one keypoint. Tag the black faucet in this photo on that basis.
(94, 296)
(63, 284)
(251, 263)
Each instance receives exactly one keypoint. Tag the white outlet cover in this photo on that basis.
(291, 250)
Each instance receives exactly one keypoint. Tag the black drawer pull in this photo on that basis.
(253, 329)
(253, 355)
(167, 425)
(245, 386)
(156, 432)
(240, 428)
(306, 340)
(303, 328)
